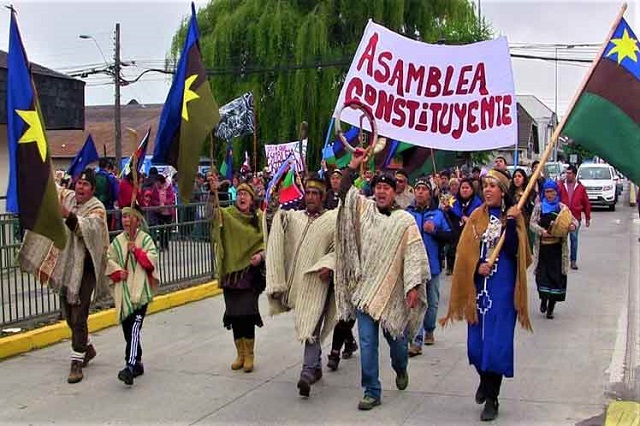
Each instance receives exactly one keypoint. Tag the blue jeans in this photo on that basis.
(573, 240)
(368, 333)
(430, 317)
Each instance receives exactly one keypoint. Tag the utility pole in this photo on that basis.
(116, 110)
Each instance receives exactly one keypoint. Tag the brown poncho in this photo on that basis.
(462, 304)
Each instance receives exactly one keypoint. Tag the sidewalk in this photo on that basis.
(561, 369)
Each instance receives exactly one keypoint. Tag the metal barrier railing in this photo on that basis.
(185, 258)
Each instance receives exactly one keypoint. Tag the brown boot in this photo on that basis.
(75, 374)
(248, 355)
(89, 355)
(239, 362)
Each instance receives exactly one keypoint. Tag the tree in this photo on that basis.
(294, 54)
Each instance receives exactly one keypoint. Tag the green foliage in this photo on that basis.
(271, 47)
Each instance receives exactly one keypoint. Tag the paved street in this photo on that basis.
(562, 369)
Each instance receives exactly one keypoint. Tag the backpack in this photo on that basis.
(104, 192)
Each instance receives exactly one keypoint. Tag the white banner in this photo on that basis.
(456, 98)
(276, 154)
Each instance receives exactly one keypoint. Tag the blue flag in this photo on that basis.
(189, 115)
(32, 190)
(87, 155)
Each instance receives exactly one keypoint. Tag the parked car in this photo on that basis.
(553, 170)
(526, 169)
(600, 181)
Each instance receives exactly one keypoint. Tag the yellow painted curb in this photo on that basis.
(623, 413)
(50, 334)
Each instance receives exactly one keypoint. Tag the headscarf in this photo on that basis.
(500, 178)
(550, 206)
(137, 212)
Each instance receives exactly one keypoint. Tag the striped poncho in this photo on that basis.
(298, 247)
(136, 291)
(379, 258)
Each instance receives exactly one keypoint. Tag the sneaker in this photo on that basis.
(126, 375)
(402, 380)
(349, 349)
(415, 350)
(368, 402)
(574, 266)
(138, 369)
(304, 387)
(490, 410)
(429, 339)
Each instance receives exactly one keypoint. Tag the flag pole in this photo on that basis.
(255, 142)
(304, 134)
(558, 130)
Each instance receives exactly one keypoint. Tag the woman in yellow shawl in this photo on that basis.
(489, 298)
(239, 249)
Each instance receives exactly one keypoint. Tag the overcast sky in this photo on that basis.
(50, 31)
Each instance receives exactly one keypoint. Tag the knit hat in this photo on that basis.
(384, 178)
(88, 175)
(244, 186)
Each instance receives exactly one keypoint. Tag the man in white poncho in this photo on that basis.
(381, 270)
(300, 260)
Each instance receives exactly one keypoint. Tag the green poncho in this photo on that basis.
(236, 239)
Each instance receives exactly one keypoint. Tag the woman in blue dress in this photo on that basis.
(491, 298)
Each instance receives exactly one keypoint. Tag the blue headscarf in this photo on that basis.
(550, 206)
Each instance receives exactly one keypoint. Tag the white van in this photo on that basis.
(599, 180)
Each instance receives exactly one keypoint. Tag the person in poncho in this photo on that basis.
(133, 274)
(491, 298)
(77, 272)
(239, 248)
(300, 262)
(381, 274)
(551, 252)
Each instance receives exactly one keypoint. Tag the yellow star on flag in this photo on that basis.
(35, 132)
(188, 96)
(625, 47)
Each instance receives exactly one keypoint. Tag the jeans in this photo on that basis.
(430, 317)
(368, 333)
(573, 239)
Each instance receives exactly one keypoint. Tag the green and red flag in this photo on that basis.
(606, 116)
(189, 115)
(32, 192)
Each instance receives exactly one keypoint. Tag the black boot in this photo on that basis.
(552, 305)
(334, 360)
(490, 411)
(350, 346)
(543, 305)
(480, 396)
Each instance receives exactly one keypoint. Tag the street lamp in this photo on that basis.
(117, 83)
(90, 37)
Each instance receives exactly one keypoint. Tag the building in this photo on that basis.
(61, 101)
(536, 122)
(99, 122)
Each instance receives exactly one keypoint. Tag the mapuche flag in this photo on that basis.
(606, 115)
(189, 114)
(32, 192)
